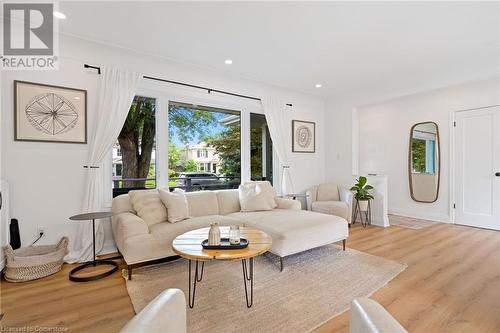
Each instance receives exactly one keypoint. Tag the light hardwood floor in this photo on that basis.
(452, 284)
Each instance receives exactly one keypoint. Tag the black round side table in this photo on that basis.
(95, 262)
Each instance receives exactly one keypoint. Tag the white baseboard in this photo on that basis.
(430, 217)
(378, 223)
(109, 247)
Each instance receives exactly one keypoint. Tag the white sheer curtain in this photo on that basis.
(278, 120)
(117, 91)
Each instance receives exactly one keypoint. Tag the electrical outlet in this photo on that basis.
(41, 230)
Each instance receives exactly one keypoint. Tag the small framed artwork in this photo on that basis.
(46, 113)
(303, 136)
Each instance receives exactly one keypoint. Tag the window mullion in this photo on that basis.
(162, 142)
(245, 146)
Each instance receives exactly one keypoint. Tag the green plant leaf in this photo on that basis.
(361, 189)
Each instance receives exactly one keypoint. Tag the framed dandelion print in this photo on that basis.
(46, 113)
(303, 136)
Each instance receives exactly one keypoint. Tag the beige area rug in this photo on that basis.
(314, 286)
(409, 222)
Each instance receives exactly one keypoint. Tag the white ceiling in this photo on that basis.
(387, 47)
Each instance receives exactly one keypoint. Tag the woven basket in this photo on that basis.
(34, 262)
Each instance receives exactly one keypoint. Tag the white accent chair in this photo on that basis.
(328, 198)
(165, 314)
(368, 316)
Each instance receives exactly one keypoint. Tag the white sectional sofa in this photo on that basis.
(293, 230)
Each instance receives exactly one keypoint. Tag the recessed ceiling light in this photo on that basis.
(318, 85)
(60, 15)
(228, 61)
(76, 97)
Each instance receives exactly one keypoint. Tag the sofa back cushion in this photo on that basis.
(122, 204)
(328, 192)
(229, 201)
(202, 203)
(148, 206)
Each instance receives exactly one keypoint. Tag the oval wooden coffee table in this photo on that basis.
(188, 246)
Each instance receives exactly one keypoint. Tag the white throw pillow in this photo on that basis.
(268, 190)
(148, 206)
(253, 198)
(176, 203)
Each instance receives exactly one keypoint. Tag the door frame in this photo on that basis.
(453, 117)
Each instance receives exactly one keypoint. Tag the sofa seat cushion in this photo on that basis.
(338, 208)
(295, 231)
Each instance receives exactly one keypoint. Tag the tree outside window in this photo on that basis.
(136, 143)
(423, 155)
(418, 155)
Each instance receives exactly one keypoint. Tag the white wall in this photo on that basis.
(384, 130)
(46, 179)
(340, 122)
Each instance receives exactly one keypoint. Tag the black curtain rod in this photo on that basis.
(209, 90)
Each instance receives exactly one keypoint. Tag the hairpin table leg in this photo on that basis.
(248, 276)
(197, 278)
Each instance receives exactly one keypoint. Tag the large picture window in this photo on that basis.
(134, 162)
(204, 147)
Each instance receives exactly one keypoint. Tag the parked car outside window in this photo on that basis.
(200, 180)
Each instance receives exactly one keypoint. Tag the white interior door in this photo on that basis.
(477, 168)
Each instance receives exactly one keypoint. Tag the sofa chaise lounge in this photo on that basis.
(143, 240)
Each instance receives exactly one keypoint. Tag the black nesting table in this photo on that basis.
(95, 262)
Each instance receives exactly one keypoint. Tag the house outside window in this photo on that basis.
(202, 153)
(204, 141)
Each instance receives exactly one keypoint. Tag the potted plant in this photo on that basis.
(362, 193)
